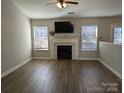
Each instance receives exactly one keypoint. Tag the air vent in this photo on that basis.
(71, 13)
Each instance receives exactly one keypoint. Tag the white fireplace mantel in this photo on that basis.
(73, 41)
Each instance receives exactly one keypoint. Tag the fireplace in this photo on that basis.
(64, 52)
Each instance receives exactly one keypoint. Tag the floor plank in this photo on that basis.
(63, 76)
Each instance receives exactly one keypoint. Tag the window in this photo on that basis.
(117, 35)
(40, 38)
(89, 37)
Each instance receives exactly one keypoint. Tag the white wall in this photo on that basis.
(16, 36)
(111, 56)
(104, 31)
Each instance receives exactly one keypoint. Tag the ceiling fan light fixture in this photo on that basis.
(61, 5)
(64, 5)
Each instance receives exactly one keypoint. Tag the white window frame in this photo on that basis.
(92, 49)
(112, 31)
(114, 35)
(34, 37)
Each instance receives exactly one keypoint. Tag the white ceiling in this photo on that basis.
(37, 9)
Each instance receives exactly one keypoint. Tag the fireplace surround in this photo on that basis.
(64, 41)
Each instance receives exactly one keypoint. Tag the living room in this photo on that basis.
(51, 48)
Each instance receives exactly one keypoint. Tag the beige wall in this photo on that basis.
(16, 36)
(111, 55)
(104, 31)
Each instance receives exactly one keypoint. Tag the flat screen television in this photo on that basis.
(64, 27)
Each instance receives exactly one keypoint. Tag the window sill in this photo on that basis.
(40, 49)
(117, 44)
(89, 50)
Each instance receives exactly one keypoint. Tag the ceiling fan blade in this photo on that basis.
(51, 3)
(60, 0)
(70, 2)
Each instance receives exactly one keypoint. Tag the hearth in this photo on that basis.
(64, 52)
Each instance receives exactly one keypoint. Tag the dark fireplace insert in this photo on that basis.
(64, 52)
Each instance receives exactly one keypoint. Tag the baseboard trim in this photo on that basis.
(110, 68)
(14, 68)
(41, 58)
(87, 58)
(72, 59)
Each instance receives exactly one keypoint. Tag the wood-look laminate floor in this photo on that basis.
(48, 76)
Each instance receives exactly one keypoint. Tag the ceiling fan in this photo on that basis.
(63, 3)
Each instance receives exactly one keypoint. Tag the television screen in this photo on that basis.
(64, 27)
